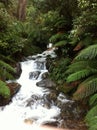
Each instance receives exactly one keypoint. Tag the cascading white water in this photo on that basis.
(13, 115)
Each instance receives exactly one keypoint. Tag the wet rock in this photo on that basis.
(52, 96)
(45, 75)
(69, 111)
(40, 63)
(32, 100)
(18, 70)
(34, 75)
(14, 88)
(48, 83)
(51, 123)
(4, 101)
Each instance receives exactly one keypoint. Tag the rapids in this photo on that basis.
(15, 114)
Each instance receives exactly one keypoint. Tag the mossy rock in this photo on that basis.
(65, 88)
(7, 91)
(4, 90)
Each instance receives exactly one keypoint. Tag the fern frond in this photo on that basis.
(94, 127)
(93, 100)
(79, 65)
(58, 36)
(91, 113)
(87, 53)
(91, 117)
(6, 71)
(60, 43)
(86, 89)
(7, 59)
(6, 66)
(92, 122)
(80, 75)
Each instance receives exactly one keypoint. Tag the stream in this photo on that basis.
(32, 105)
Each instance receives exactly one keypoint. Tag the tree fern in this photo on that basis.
(88, 53)
(81, 74)
(80, 65)
(93, 100)
(92, 123)
(86, 88)
(91, 118)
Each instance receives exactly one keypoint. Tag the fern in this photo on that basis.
(80, 74)
(91, 118)
(80, 65)
(4, 90)
(6, 71)
(57, 37)
(92, 123)
(86, 88)
(7, 66)
(58, 70)
(93, 100)
(60, 43)
(88, 53)
(7, 59)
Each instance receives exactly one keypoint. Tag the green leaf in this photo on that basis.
(60, 43)
(86, 88)
(88, 53)
(80, 65)
(93, 100)
(79, 75)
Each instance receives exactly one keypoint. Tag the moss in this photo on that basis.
(65, 88)
(4, 90)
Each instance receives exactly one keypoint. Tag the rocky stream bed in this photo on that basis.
(35, 100)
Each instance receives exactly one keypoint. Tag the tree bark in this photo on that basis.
(21, 10)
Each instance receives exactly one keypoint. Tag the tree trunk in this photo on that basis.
(21, 10)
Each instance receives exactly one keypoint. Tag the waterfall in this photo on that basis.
(28, 104)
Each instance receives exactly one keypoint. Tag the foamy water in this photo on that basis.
(13, 116)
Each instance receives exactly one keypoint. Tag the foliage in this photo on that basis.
(4, 90)
(91, 118)
(57, 37)
(93, 100)
(88, 53)
(85, 71)
(6, 71)
(58, 70)
(85, 26)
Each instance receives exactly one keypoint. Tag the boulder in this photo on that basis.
(18, 70)
(48, 83)
(14, 88)
(45, 75)
(34, 75)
